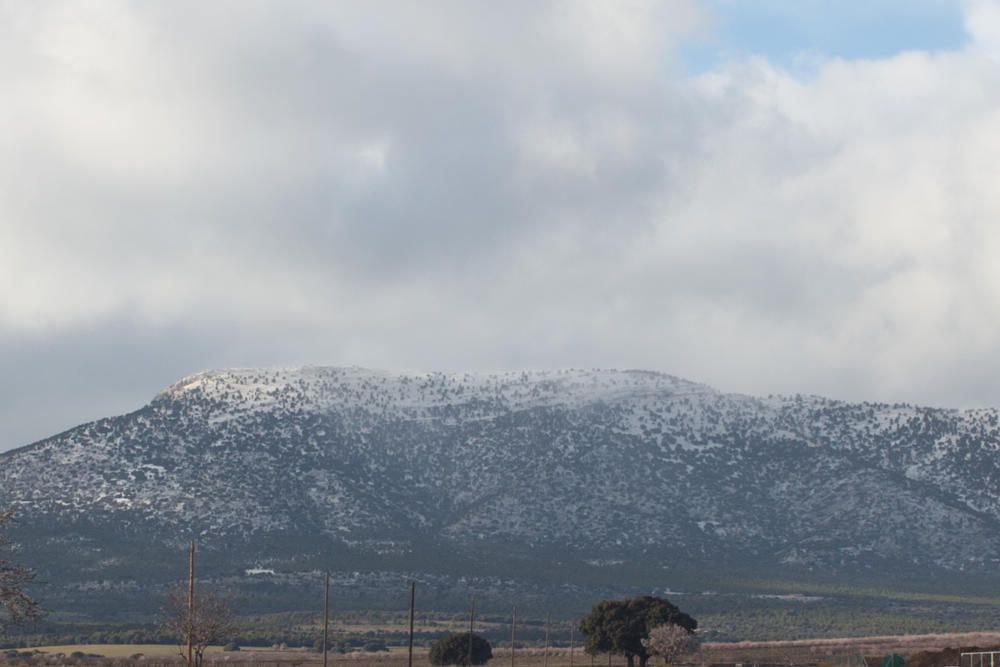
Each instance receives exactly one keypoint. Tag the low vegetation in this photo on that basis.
(630, 631)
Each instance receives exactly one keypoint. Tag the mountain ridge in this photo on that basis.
(512, 472)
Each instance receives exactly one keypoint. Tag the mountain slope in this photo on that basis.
(507, 474)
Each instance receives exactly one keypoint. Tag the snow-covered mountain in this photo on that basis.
(512, 472)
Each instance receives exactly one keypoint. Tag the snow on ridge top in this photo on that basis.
(322, 386)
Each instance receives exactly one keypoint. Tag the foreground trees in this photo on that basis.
(211, 622)
(454, 650)
(670, 642)
(15, 605)
(621, 626)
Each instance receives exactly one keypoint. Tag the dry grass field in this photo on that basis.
(821, 652)
(840, 652)
(118, 650)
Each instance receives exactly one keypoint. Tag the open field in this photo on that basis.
(903, 644)
(119, 650)
(822, 652)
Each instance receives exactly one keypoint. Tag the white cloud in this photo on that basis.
(452, 185)
(982, 22)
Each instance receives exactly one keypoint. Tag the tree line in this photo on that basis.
(637, 628)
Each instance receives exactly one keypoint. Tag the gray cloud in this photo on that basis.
(480, 186)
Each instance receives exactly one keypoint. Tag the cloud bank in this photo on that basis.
(482, 186)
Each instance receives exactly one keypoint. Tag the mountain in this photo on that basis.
(550, 483)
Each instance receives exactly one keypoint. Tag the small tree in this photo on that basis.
(670, 641)
(15, 605)
(454, 650)
(619, 626)
(211, 622)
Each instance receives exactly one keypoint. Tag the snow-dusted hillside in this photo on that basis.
(583, 466)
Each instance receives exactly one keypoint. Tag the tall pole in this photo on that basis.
(326, 618)
(190, 614)
(572, 642)
(472, 621)
(413, 599)
(513, 631)
(546, 660)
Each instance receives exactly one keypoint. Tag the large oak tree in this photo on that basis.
(620, 626)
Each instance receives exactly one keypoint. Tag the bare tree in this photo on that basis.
(670, 641)
(15, 605)
(211, 622)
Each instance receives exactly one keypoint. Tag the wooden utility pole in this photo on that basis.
(572, 642)
(513, 631)
(413, 599)
(326, 618)
(546, 659)
(472, 621)
(190, 614)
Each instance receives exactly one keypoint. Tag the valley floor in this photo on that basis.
(932, 650)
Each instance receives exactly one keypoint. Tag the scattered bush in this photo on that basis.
(454, 650)
(376, 646)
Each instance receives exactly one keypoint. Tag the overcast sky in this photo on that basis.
(767, 195)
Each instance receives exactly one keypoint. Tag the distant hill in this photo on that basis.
(549, 484)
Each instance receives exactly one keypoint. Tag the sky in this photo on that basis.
(768, 196)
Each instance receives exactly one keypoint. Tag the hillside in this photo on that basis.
(535, 482)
